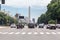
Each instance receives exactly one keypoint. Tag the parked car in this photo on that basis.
(51, 26)
(13, 25)
(20, 26)
(41, 25)
(58, 26)
(31, 25)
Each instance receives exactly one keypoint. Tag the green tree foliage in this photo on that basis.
(52, 13)
(52, 22)
(42, 19)
(6, 20)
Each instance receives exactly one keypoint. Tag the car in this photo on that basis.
(20, 26)
(35, 25)
(13, 25)
(41, 25)
(51, 26)
(31, 25)
(58, 26)
(48, 27)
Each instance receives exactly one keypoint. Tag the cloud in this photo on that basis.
(26, 3)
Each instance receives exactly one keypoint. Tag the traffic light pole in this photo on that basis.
(2, 2)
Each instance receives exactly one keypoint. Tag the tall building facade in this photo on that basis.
(29, 13)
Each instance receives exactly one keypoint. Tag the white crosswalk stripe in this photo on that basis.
(5, 33)
(29, 32)
(58, 32)
(11, 33)
(17, 33)
(0, 32)
(53, 32)
(47, 33)
(35, 33)
(41, 32)
(23, 33)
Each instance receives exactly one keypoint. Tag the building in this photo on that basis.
(22, 19)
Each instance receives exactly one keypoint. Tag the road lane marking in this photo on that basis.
(29, 33)
(58, 32)
(0, 32)
(47, 33)
(17, 33)
(35, 33)
(53, 32)
(5, 33)
(41, 32)
(23, 33)
(11, 33)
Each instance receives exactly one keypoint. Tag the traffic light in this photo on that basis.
(3, 1)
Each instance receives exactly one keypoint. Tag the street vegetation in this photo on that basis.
(6, 19)
(52, 13)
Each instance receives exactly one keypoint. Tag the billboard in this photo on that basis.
(21, 17)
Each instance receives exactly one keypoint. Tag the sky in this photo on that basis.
(21, 6)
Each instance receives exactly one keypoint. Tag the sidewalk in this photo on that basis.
(4, 26)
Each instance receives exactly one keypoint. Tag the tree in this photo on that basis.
(54, 10)
(42, 19)
(52, 13)
(52, 22)
(6, 20)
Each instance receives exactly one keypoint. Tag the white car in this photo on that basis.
(13, 25)
(41, 25)
(51, 26)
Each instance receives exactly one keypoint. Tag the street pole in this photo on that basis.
(0, 7)
(2, 2)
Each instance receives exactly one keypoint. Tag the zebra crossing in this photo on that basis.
(29, 33)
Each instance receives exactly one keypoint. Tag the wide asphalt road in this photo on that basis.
(29, 34)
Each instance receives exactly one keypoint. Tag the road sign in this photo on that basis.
(21, 17)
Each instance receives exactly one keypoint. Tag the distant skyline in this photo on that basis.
(21, 7)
